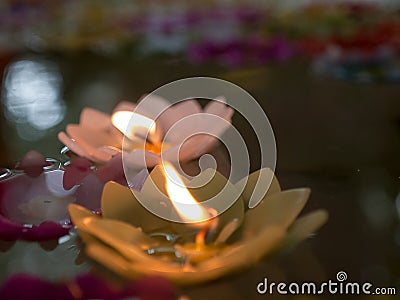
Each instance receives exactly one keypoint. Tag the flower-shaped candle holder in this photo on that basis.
(132, 242)
(99, 136)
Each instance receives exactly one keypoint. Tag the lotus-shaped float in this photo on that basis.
(133, 242)
(97, 138)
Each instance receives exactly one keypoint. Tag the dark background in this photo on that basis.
(341, 139)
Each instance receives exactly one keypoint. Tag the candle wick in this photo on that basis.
(212, 225)
(202, 235)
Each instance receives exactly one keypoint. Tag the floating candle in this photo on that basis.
(99, 136)
(241, 238)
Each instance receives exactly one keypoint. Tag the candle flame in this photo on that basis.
(185, 204)
(201, 238)
(133, 125)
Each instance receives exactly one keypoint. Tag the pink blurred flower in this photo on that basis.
(237, 52)
(33, 163)
(86, 286)
(33, 201)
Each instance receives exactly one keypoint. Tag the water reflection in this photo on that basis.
(32, 97)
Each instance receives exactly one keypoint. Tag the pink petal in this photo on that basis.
(93, 287)
(9, 230)
(89, 192)
(175, 113)
(105, 153)
(215, 120)
(13, 193)
(215, 125)
(81, 163)
(32, 163)
(206, 129)
(192, 148)
(94, 119)
(150, 288)
(201, 144)
(219, 108)
(89, 139)
(75, 172)
(179, 111)
(125, 106)
(152, 106)
(140, 159)
(71, 144)
(22, 286)
(112, 170)
(139, 179)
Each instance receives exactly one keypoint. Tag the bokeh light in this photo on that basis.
(32, 97)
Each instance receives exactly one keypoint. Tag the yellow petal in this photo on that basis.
(155, 182)
(303, 227)
(94, 119)
(232, 260)
(247, 252)
(119, 203)
(279, 209)
(114, 261)
(256, 185)
(78, 213)
(130, 241)
(87, 238)
(120, 231)
(111, 259)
